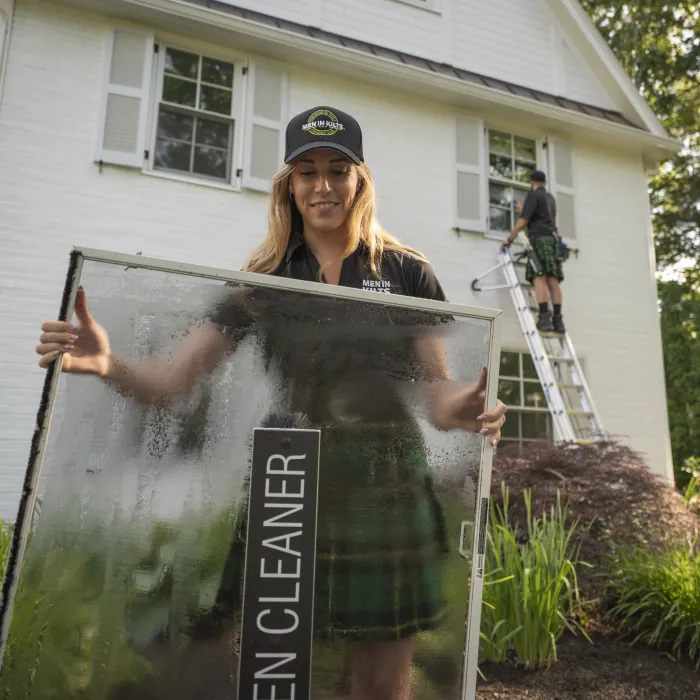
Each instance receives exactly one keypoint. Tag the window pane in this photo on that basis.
(529, 371)
(499, 219)
(174, 126)
(509, 392)
(523, 171)
(210, 161)
(500, 144)
(217, 72)
(211, 133)
(519, 196)
(501, 167)
(525, 150)
(181, 63)
(180, 92)
(215, 99)
(500, 195)
(511, 428)
(534, 396)
(535, 425)
(510, 366)
(172, 155)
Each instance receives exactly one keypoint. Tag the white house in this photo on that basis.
(155, 126)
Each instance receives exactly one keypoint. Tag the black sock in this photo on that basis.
(557, 309)
(544, 308)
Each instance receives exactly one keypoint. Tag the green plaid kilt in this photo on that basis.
(545, 248)
(381, 538)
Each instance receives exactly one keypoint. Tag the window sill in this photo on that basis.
(202, 182)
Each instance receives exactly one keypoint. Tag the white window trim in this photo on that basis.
(240, 63)
(429, 5)
(540, 142)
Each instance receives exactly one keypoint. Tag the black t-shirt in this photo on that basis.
(540, 211)
(336, 357)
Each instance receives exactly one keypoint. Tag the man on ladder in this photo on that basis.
(538, 214)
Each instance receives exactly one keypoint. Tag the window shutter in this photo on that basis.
(470, 175)
(266, 117)
(562, 167)
(123, 119)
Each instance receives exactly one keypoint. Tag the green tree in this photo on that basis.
(658, 44)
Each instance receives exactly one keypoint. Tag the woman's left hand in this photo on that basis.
(464, 408)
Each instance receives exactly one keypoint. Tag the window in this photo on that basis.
(512, 160)
(195, 124)
(519, 388)
(173, 111)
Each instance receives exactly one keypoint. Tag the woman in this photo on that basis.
(323, 227)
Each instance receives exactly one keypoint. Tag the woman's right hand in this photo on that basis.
(85, 347)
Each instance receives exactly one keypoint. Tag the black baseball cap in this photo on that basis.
(324, 127)
(538, 176)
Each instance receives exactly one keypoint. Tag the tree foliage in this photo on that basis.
(658, 44)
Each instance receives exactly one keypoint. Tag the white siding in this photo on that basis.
(579, 81)
(52, 196)
(514, 40)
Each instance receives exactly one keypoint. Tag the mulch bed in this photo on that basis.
(619, 503)
(606, 670)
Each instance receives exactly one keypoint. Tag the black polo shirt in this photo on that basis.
(540, 211)
(400, 273)
(336, 357)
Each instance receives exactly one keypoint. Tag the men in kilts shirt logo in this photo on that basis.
(538, 214)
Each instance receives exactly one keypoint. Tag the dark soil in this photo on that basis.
(620, 503)
(605, 670)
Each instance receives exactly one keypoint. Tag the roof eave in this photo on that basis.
(308, 49)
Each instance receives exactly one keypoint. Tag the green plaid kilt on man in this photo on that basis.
(381, 538)
(544, 247)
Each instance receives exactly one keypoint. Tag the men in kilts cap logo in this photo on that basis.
(539, 214)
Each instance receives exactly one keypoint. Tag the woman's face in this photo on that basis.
(324, 184)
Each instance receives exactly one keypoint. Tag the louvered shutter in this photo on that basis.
(563, 186)
(266, 120)
(123, 120)
(470, 175)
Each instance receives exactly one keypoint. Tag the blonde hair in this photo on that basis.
(363, 226)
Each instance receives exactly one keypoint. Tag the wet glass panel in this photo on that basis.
(499, 219)
(132, 580)
(529, 370)
(523, 171)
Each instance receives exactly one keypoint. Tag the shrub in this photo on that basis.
(5, 540)
(531, 592)
(658, 597)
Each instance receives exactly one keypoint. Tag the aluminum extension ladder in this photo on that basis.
(568, 396)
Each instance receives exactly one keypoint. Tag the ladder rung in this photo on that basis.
(579, 413)
(570, 386)
(557, 358)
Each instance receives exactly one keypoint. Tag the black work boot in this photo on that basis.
(544, 322)
(558, 323)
